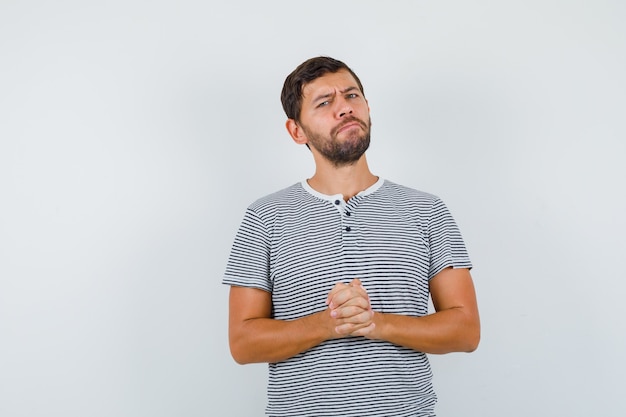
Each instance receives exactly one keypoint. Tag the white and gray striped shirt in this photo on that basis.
(297, 243)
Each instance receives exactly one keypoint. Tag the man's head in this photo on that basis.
(327, 111)
(305, 73)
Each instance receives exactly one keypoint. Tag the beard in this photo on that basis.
(342, 152)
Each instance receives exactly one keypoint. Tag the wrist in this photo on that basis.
(378, 319)
(324, 325)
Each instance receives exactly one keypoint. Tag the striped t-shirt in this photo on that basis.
(298, 243)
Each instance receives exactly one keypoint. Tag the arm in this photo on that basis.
(256, 337)
(454, 327)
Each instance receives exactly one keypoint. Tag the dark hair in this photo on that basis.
(308, 71)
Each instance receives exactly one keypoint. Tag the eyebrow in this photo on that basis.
(344, 91)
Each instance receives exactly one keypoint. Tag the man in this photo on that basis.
(330, 278)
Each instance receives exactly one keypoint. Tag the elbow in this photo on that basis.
(471, 333)
(466, 344)
(472, 339)
(240, 360)
(472, 344)
(238, 353)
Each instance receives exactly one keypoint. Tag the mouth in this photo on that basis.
(348, 124)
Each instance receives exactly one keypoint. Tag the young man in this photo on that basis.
(330, 278)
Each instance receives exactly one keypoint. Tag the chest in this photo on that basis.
(313, 250)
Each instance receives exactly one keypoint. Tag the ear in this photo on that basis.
(296, 132)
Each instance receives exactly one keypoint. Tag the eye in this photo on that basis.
(323, 103)
(352, 95)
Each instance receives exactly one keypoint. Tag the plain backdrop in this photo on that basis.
(133, 134)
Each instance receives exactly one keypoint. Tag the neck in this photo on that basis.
(347, 180)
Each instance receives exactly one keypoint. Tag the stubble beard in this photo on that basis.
(342, 152)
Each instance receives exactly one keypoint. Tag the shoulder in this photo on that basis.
(274, 201)
(401, 193)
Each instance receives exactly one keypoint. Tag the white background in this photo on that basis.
(134, 133)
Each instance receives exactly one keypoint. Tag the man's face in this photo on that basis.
(335, 118)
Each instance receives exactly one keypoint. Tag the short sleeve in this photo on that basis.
(447, 248)
(248, 263)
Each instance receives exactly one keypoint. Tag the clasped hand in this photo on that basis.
(350, 309)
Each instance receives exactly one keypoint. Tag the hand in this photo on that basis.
(350, 306)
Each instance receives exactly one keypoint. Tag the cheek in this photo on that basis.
(318, 126)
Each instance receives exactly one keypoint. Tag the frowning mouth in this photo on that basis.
(348, 124)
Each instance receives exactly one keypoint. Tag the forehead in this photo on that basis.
(329, 83)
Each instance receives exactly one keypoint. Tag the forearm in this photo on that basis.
(451, 330)
(269, 340)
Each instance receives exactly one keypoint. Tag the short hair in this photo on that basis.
(308, 71)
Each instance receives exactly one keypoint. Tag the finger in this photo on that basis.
(357, 317)
(336, 289)
(345, 295)
(364, 331)
(356, 283)
(339, 296)
(340, 287)
(354, 308)
(354, 329)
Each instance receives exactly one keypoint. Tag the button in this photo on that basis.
(337, 202)
(348, 228)
(348, 213)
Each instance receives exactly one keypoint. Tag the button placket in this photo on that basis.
(345, 209)
(347, 217)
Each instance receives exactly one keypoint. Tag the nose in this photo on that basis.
(343, 108)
